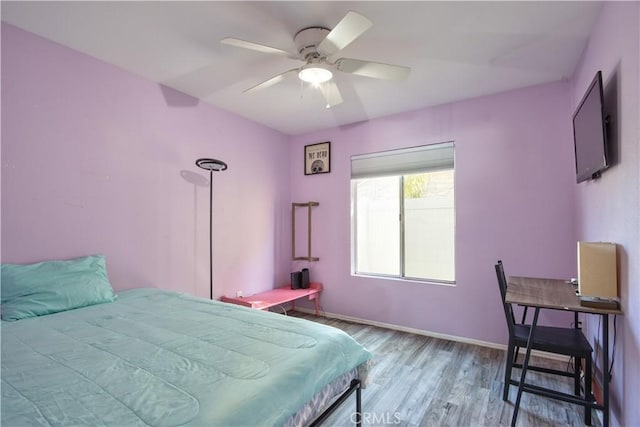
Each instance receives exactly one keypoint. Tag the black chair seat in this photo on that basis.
(566, 341)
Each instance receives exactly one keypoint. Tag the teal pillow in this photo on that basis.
(51, 286)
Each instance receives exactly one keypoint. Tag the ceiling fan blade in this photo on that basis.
(270, 82)
(352, 26)
(254, 46)
(376, 70)
(331, 93)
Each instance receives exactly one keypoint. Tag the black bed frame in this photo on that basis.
(354, 386)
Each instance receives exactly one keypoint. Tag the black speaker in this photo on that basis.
(304, 283)
(296, 280)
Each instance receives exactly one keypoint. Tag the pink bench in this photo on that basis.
(278, 296)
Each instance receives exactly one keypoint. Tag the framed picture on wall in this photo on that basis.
(317, 158)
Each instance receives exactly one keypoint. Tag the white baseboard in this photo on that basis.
(430, 333)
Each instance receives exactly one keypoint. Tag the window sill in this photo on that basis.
(405, 280)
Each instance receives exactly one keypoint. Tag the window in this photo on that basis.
(403, 213)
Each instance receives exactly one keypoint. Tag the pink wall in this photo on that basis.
(94, 160)
(608, 209)
(514, 201)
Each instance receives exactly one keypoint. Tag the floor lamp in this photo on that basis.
(212, 165)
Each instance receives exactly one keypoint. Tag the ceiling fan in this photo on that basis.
(315, 46)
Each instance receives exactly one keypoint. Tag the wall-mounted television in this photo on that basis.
(590, 133)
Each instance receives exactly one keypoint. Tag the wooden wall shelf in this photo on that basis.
(307, 205)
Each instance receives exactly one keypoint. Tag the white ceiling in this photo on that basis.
(456, 50)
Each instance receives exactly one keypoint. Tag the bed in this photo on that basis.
(152, 357)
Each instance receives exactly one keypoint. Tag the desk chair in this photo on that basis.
(513, 319)
(565, 341)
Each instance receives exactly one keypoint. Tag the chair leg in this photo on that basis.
(507, 371)
(577, 361)
(587, 389)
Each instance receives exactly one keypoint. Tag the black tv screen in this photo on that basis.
(589, 133)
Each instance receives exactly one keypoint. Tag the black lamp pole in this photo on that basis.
(211, 165)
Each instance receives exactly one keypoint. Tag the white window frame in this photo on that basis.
(428, 158)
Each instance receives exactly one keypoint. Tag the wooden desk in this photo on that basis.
(278, 296)
(557, 295)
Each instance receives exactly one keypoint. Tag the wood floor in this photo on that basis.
(424, 381)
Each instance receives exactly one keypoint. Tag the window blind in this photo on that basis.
(426, 158)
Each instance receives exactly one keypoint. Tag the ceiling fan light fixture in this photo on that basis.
(315, 74)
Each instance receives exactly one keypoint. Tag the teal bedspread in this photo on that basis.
(165, 359)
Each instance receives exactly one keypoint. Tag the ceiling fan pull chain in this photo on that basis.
(325, 89)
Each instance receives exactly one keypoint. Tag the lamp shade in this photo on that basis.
(315, 73)
(211, 164)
